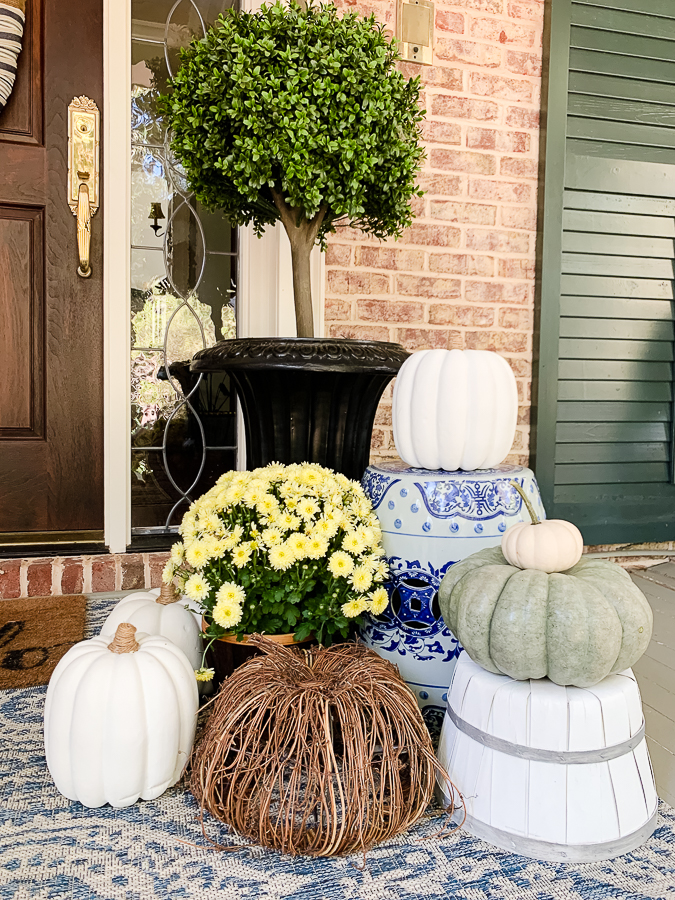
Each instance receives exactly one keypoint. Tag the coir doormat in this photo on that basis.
(35, 632)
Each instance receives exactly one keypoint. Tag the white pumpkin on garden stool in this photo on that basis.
(550, 545)
(159, 611)
(120, 718)
(454, 409)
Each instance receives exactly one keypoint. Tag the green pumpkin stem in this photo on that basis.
(528, 505)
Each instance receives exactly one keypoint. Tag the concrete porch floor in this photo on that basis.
(656, 675)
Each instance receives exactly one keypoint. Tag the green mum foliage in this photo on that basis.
(306, 103)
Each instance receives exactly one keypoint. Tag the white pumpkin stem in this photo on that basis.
(528, 505)
(168, 594)
(124, 640)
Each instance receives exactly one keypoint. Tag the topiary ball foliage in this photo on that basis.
(308, 102)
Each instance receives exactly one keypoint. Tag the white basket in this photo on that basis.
(550, 772)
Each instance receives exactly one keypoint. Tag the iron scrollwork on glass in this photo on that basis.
(183, 290)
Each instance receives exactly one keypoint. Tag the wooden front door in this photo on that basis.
(51, 350)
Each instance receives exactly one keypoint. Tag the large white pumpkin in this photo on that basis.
(454, 409)
(120, 718)
(159, 612)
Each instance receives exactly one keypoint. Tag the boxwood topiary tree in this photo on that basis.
(298, 115)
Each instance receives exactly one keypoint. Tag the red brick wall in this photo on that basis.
(52, 576)
(463, 274)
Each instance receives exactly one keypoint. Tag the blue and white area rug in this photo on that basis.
(52, 849)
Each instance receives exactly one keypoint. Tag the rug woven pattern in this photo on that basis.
(52, 849)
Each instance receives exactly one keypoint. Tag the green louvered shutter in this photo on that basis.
(603, 436)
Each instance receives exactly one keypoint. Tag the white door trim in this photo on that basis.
(116, 271)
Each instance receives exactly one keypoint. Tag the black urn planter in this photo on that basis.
(306, 399)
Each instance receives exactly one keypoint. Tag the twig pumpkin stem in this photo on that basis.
(528, 505)
(124, 640)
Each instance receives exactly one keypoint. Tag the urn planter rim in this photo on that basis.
(309, 354)
(287, 639)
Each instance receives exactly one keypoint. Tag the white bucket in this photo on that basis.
(550, 772)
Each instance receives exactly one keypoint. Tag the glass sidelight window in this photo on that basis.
(183, 291)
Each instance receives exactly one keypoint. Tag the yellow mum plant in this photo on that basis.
(281, 549)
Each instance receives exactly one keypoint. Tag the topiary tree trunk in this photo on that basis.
(302, 234)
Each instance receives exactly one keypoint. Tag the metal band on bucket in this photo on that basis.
(566, 757)
(552, 852)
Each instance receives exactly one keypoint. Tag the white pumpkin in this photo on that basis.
(550, 545)
(454, 409)
(160, 612)
(120, 718)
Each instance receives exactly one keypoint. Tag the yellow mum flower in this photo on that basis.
(235, 493)
(229, 592)
(273, 471)
(255, 493)
(227, 615)
(327, 528)
(242, 554)
(287, 521)
(204, 674)
(379, 600)
(267, 505)
(354, 607)
(196, 587)
(232, 538)
(361, 578)
(307, 508)
(281, 557)
(353, 542)
(168, 572)
(271, 537)
(197, 554)
(368, 535)
(177, 554)
(316, 547)
(381, 570)
(340, 563)
(310, 475)
(299, 544)
(212, 522)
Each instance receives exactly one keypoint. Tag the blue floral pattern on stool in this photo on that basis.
(409, 625)
(430, 520)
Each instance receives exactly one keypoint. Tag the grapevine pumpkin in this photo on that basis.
(454, 409)
(159, 612)
(574, 627)
(120, 718)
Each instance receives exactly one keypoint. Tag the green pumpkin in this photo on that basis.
(574, 627)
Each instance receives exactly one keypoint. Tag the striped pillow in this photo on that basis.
(12, 18)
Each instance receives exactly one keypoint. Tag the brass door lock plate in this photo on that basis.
(415, 30)
(84, 125)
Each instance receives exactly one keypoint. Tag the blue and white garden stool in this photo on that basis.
(430, 520)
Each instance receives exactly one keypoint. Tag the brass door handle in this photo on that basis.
(84, 229)
(84, 124)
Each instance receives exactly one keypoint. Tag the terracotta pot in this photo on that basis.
(227, 653)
